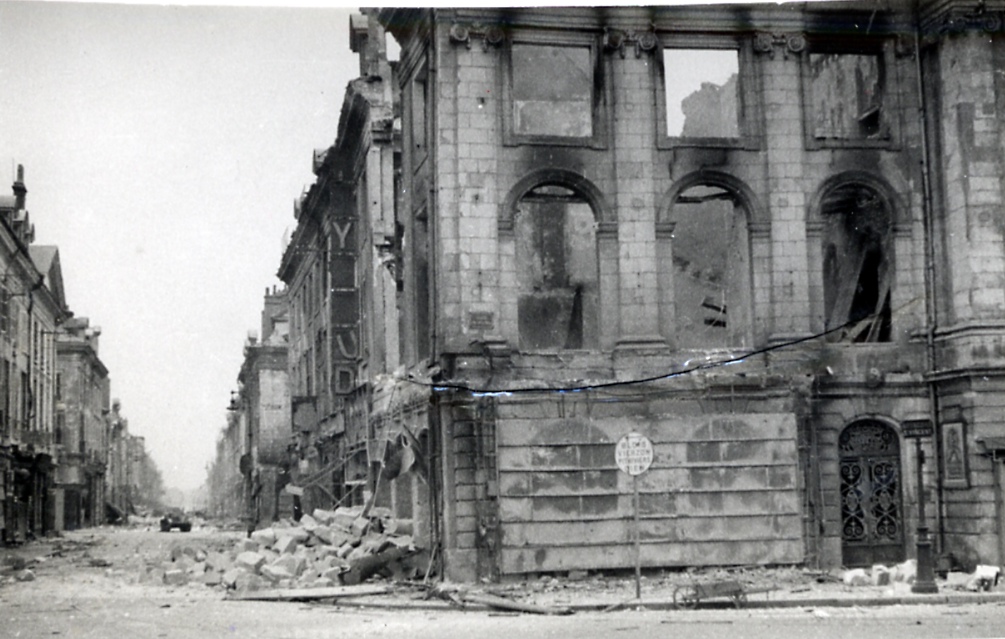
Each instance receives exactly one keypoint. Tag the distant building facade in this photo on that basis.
(251, 465)
(82, 434)
(32, 304)
(265, 401)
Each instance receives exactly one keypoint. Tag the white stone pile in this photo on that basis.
(324, 549)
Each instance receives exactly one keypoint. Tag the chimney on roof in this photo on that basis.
(20, 191)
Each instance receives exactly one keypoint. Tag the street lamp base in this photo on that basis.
(924, 581)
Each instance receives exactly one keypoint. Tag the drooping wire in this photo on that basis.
(445, 386)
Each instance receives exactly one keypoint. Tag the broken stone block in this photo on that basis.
(248, 545)
(175, 577)
(331, 535)
(359, 526)
(990, 573)
(229, 578)
(298, 533)
(906, 571)
(344, 550)
(251, 561)
(394, 526)
(333, 574)
(345, 516)
(308, 523)
(212, 579)
(275, 573)
(856, 577)
(219, 561)
(24, 575)
(325, 517)
(248, 582)
(264, 537)
(880, 575)
(291, 564)
(285, 544)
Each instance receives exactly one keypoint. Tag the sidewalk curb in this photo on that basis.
(821, 602)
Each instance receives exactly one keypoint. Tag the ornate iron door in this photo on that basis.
(872, 528)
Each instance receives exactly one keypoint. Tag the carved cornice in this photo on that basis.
(766, 43)
(492, 34)
(617, 39)
(957, 20)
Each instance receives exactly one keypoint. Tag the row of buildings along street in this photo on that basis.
(67, 458)
(767, 238)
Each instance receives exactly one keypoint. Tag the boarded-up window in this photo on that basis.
(848, 96)
(858, 268)
(702, 93)
(552, 91)
(711, 269)
(556, 261)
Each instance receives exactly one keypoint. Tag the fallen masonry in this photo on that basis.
(324, 550)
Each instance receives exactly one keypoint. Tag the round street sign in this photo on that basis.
(634, 454)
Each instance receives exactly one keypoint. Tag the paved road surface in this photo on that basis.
(73, 597)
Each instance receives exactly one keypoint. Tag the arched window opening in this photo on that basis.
(557, 274)
(711, 269)
(858, 269)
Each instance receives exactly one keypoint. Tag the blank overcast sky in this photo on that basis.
(163, 149)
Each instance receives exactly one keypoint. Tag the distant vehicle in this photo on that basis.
(175, 519)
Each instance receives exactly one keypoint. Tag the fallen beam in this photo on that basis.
(307, 594)
(508, 604)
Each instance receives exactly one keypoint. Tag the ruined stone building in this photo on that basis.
(82, 434)
(264, 397)
(252, 462)
(31, 305)
(766, 237)
(124, 472)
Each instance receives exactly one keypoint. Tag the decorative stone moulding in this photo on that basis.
(789, 43)
(616, 39)
(960, 20)
(489, 34)
(956, 21)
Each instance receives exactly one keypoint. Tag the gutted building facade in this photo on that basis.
(766, 237)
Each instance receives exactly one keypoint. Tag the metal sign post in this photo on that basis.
(634, 455)
(924, 582)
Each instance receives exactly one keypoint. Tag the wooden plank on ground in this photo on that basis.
(304, 594)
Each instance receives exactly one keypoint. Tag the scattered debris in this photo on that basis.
(323, 550)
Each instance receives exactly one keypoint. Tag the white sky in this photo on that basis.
(163, 148)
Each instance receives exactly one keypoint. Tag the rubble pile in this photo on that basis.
(983, 578)
(324, 549)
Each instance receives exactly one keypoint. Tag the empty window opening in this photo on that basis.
(552, 90)
(711, 269)
(556, 255)
(702, 93)
(857, 266)
(847, 96)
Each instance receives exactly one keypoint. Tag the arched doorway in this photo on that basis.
(872, 514)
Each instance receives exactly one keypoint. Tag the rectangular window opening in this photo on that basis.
(702, 93)
(848, 96)
(552, 90)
